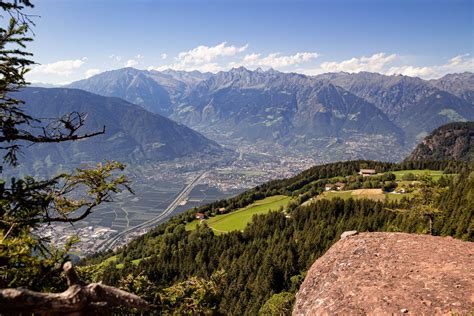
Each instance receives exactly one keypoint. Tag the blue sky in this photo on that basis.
(76, 39)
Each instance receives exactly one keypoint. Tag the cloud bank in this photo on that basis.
(61, 67)
(393, 65)
(224, 56)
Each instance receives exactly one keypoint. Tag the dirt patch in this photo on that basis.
(367, 192)
(373, 194)
(390, 273)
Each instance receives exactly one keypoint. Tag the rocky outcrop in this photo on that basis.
(454, 141)
(390, 273)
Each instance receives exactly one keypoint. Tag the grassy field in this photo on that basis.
(435, 174)
(134, 262)
(237, 220)
(371, 194)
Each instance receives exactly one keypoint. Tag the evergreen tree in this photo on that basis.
(26, 203)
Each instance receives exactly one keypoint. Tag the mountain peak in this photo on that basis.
(240, 69)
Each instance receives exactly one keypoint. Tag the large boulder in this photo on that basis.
(390, 273)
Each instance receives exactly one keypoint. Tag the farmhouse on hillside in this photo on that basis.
(367, 172)
(336, 186)
(200, 216)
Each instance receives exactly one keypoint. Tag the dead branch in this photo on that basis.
(78, 299)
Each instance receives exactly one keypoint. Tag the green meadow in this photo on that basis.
(237, 220)
(435, 174)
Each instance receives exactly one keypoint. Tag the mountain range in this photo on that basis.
(333, 116)
(132, 133)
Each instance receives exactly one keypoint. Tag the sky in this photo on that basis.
(77, 39)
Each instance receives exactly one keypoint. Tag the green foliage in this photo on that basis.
(389, 186)
(25, 204)
(278, 305)
(273, 253)
(426, 199)
(140, 285)
(316, 177)
(409, 177)
(26, 259)
(194, 296)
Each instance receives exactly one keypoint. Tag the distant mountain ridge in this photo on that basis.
(333, 111)
(132, 133)
(415, 105)
(461, 85)
(454, 141)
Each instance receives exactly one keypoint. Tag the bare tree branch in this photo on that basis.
(47, 139)
(78, 298)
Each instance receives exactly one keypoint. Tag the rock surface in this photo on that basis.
(390, 273)
(349, 233)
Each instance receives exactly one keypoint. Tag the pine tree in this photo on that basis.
(27, 203)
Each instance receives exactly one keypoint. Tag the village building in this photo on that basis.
(200, 216)
(335, 186)
(367, 172)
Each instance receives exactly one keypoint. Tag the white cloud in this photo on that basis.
(210, 59)
(91, 72)
(131, 63)
(393, 64)
(209, 67)
(375, 63)
(202, 58)
(59, 68)
(275, 60)
(456, 64)
(164, 56)
(205, 54)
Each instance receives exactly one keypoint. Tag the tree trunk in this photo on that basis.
(78, 299)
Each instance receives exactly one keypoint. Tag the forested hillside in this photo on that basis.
(450, 141)
(252, 270)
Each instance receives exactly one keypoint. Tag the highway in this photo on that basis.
(112, 242)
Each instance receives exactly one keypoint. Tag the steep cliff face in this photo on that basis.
(390, 273)
(454, 141)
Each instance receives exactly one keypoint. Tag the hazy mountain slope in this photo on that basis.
(154, 90)
(415, 105)
(432, 112)
(454, 141)
(339, 115)
(461, 85)
(132, 85)
(132, 133)
(391, 94)
(276, 106)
